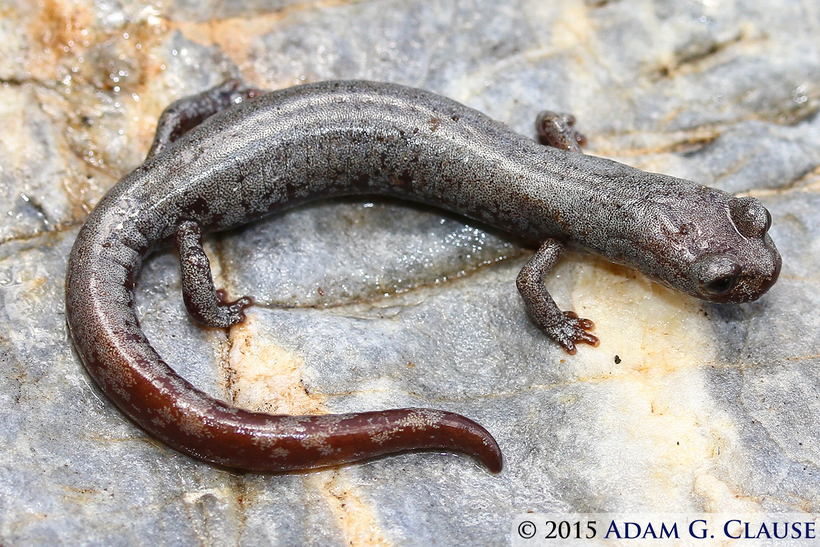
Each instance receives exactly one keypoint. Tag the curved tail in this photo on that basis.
(115, 351)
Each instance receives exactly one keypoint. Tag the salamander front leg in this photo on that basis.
(557, 130)
(566, 328)
(185, 114)
(205, 304)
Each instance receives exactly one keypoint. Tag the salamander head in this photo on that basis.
(706, 243)
(744, 270)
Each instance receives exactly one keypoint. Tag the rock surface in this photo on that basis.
(684, 407)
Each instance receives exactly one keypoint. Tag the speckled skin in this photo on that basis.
(340, 138)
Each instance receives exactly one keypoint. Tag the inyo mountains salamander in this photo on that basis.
(232, 154)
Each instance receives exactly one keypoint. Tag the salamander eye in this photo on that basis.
(721, 285)
(718, 275)
(750, 217)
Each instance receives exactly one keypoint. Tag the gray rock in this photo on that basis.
(369, 304)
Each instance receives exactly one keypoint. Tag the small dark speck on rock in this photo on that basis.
(617, 360)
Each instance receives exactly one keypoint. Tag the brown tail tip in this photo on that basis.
(468, 437)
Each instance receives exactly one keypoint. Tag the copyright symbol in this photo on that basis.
(526, 529)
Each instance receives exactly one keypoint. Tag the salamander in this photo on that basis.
(233, 154)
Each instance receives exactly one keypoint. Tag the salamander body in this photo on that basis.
(232, 155)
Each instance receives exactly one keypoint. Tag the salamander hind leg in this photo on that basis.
(566, 328)
(188, 112)
(205, 304)
(557, 130)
